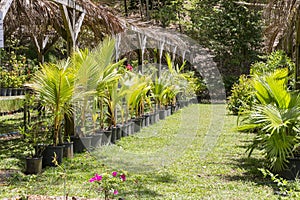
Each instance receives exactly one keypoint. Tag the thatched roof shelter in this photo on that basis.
(47, 20)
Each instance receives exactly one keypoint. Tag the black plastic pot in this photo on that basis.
(138, 123)
(3, 91)
(106, 138)
(8, 91)
(162, 114)
(49, 153)
(156, 116)
(119, 132)
(81, 144)
(33, 165)
(168, 110)
(68, 150)
(96, 139)
(20, 91)
(147, 120)
(124, 130)
(130, 129)
(113, 138)
(173, 109)
(14, 91)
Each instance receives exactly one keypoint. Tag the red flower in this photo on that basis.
(129, 67)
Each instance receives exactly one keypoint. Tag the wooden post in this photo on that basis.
(72, 25)
(4, 7)
(43, 45)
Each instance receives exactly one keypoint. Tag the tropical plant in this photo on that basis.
(94, 74)
(277, 59)
(54, 86)
(113, 100)
(31, 129)
(242, 96)
(275, 118)
(160, 88)
(138, 95)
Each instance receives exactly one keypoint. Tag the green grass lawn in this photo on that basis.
(193, 154)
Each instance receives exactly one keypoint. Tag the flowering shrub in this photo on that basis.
(109, 182)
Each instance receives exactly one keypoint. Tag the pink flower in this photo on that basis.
(116, 192)
(129, 67)
(96, 178)
(114, 174)
(123, 177)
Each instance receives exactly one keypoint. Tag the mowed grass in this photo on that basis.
(193, 154)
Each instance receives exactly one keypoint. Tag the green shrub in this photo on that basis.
(242, 96)
(276, 60)
(276, 119)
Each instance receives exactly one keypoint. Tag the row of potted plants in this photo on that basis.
(11, 91)
(98, 97)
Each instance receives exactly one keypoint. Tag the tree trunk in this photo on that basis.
(141, 8)
(126, 9)
(147, 10)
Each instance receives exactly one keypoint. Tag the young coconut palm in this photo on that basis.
(95, 72)
(276, 118)
(54, 85)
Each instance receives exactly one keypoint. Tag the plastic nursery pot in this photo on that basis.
(68, 151)
(147, 120)
(33, 165)
(138, 123)
(124, 130)
(162, 114)
(114, 134)
(49, 153)
(96, 139)
(81, 144)
(106, 138)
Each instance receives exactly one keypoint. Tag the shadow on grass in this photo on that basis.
(251, 166)
(143, 193)
(160, 178)
(252, 173)
(11, 158)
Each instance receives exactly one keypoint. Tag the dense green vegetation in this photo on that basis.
(89, 91)
(220, 171)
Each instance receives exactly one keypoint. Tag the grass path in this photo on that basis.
(194, 154)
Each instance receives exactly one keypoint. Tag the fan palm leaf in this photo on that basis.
(276, 118)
